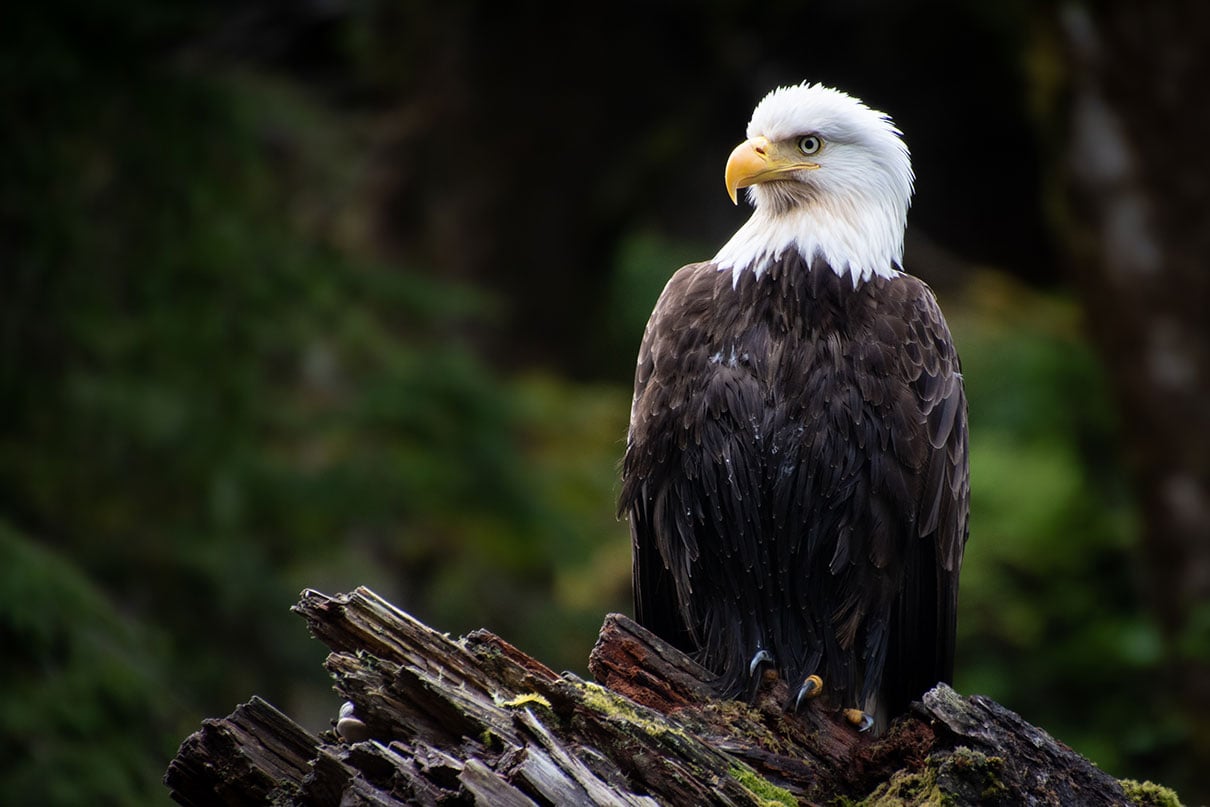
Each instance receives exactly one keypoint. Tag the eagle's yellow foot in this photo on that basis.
(812, 687)
(862, 720)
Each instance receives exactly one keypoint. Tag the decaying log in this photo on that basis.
(477, 721)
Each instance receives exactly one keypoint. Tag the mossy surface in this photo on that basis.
(769, 794)
(973, 775)
(1149, 794)
(526, 699)
(918, 788)
(613, 705)
(961, 776)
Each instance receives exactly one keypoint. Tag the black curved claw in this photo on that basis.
(811, 687)
(761, 660)
(862, 720)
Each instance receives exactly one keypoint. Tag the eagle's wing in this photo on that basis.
(692, 483)
(924, 618)
(656, 603)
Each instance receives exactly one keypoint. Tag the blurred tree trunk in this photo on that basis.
(1136, 189)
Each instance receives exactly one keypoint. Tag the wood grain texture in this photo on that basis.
(477, 721)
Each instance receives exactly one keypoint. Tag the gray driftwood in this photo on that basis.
(477, 721)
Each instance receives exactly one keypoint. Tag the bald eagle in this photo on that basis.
(796, 473)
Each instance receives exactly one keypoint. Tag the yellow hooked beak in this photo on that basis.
(757, 160)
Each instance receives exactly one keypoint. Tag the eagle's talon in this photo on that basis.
(760, 659)
(812, 687)
(861, 720)
(737, 541)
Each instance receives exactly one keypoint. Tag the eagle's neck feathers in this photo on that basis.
(859, 237)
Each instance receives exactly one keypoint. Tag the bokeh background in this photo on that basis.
(342, 292)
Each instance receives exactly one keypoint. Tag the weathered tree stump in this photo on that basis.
(477, 721)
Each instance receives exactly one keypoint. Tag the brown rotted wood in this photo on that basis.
(478, 721)
(253, 756)
(1024, 761)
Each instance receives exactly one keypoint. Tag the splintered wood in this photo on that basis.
(477, 721)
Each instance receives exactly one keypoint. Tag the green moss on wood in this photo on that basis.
(614, 706)
(747, 722)
(918, 789)
(966, 771)
(961, 776)
(526, 699)
(768, 794)
(1149, 794)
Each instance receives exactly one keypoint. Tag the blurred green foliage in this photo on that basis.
(214, 394)
(1052, 618)
(77, 672)
(215, 390)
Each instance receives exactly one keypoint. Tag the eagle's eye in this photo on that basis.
(809, 144)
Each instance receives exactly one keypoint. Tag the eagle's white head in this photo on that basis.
(828, 176)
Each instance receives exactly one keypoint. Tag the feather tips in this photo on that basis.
(795, 477)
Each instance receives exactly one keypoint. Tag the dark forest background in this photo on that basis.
(344, 292)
